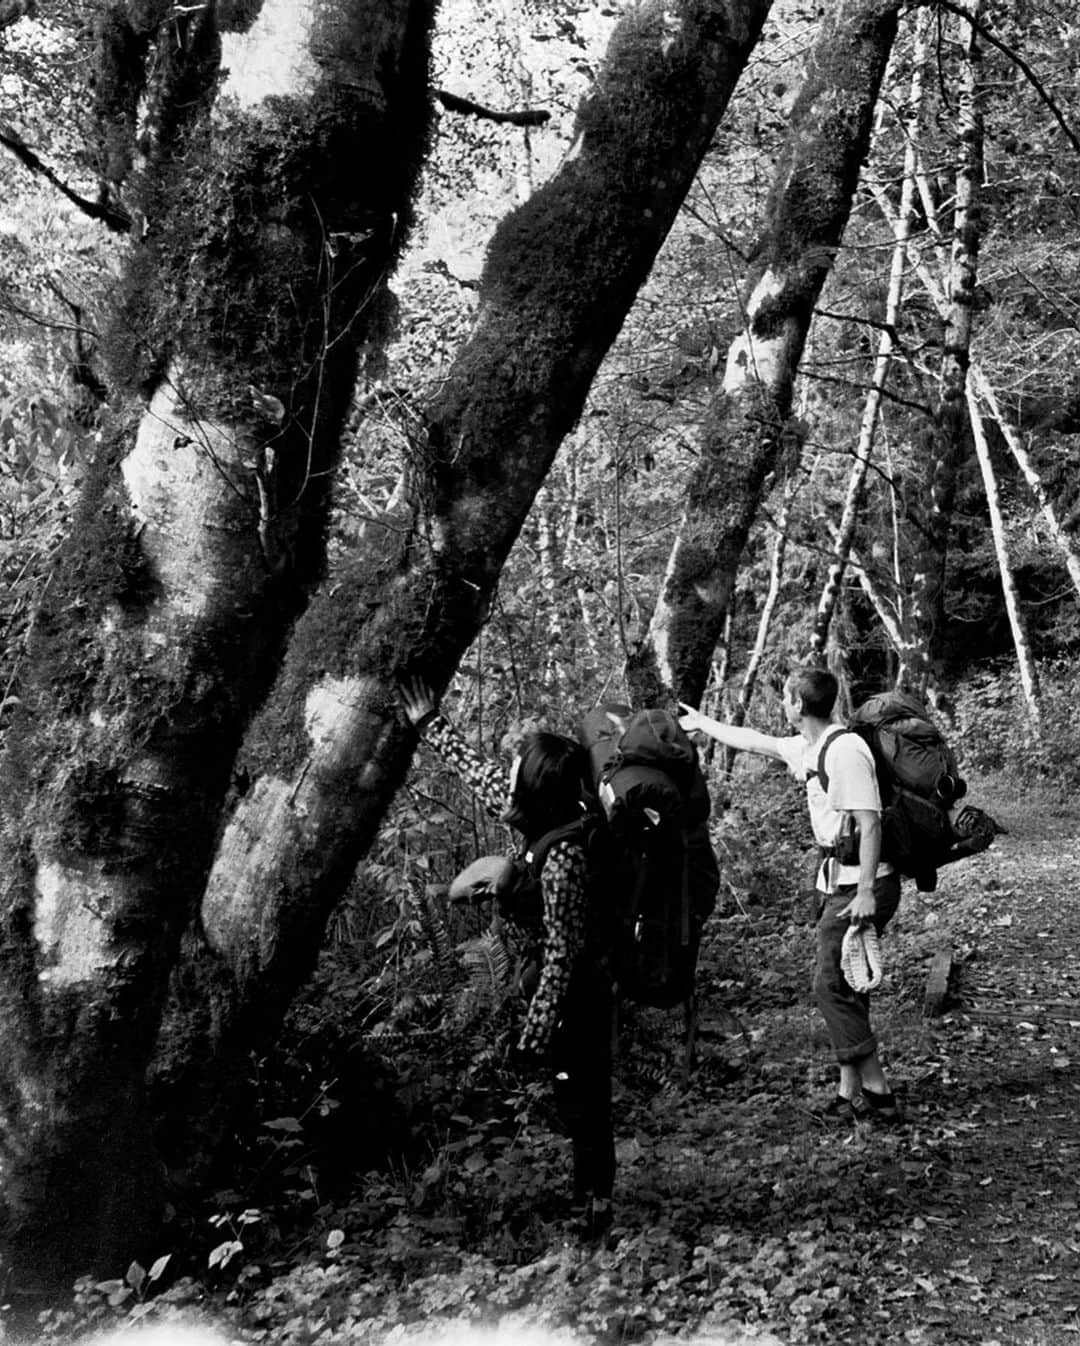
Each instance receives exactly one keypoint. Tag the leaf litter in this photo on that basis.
(739, 1216)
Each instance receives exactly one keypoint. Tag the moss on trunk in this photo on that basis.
(330, 748)
(242, 309)
(806, 215)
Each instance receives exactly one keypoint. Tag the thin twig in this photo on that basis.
(1018, 61)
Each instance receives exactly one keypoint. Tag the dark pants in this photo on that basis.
(847, 1012)
(581, 1071)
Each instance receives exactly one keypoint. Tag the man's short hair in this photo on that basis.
(816, 689)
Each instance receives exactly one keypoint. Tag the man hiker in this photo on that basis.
(855, 887)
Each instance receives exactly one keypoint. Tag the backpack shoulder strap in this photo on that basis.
(826, 743)
(537, 853)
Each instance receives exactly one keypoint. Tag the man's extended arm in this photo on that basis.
(735, 736)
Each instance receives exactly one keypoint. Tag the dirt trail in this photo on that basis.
(742, 1216)
(964, 1225)
(1000, 1191)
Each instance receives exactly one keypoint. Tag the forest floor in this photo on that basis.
(740, 1216)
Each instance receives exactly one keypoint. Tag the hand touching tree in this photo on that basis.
(418, 701)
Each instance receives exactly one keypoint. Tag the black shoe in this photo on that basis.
(837, 1109)
(881, 1109)
(592, 1217)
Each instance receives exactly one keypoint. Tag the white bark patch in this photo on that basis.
(673, 28)
(294, 45)
(660, 626)
(187, 479)
(274, 57)
(243, 865)
(334, 716)
(72, 937)
(244, 890)
(756, 361)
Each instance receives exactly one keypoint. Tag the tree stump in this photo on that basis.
(937, 983)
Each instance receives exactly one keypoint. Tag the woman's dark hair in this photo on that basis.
(552, 780)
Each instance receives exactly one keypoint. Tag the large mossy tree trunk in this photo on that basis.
(746, 423)
(265, 232)
(330, 749)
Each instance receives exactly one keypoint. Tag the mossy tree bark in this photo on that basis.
(234, 342)
(330, 749)
(747, 422)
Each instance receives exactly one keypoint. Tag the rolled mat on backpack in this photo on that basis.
(485, 877)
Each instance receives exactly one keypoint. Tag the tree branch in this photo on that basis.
(1020, 63)
(438, 267)
(453, 103)
(116, 220)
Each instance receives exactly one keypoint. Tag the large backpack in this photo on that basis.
(659, 867)
(919, 780)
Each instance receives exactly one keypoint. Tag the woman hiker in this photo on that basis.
(570, 1018)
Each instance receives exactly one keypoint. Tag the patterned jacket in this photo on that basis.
(563, 882)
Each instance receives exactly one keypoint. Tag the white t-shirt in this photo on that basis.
(849, 765)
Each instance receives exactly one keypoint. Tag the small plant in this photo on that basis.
(137, 1281)
(223, 1254)
(92, 1301)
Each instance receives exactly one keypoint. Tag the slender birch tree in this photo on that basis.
(912, 116)
(1029, 675)
(950, 419)
(980, 387)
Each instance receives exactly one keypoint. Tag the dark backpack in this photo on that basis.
(658, 867)
(919, 780)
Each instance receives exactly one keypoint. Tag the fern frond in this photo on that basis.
(489, 965)
(434, 923)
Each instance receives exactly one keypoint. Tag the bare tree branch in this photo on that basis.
(527, 117)
(1020, 63)
(116, 220)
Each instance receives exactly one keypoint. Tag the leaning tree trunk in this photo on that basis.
(980, 386)
(772, 596)
(331, 747)
(882, 605)
(1025, 662)
(950, 422)
(200, 535)
(745, 426)
(768, 611)
(979, 383)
